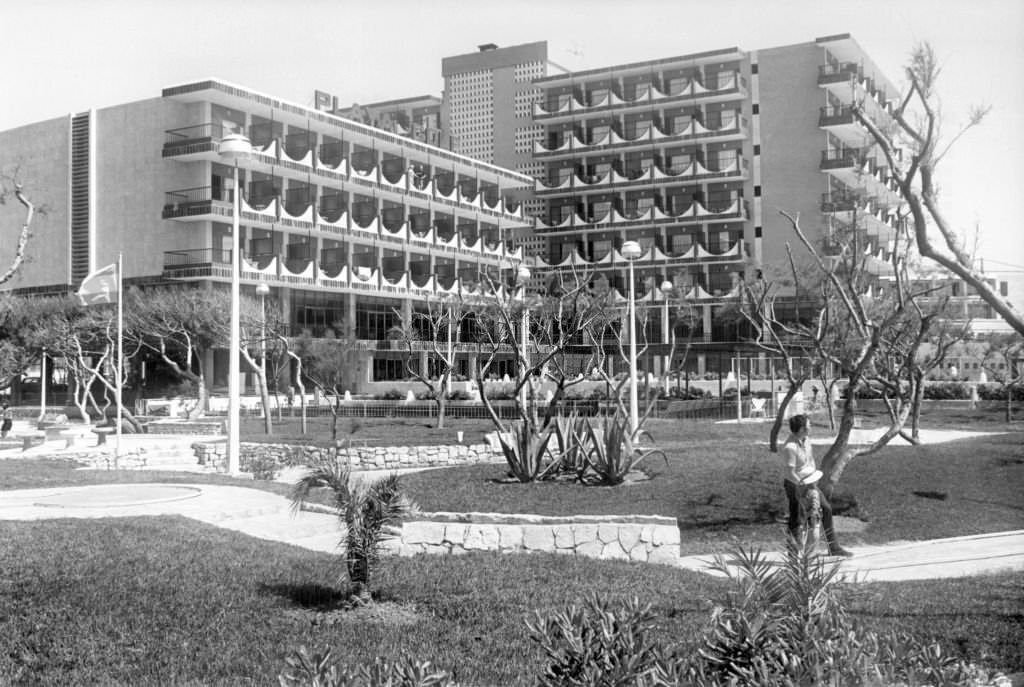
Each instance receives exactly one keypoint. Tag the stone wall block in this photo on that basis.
(431, 533)
(608, 533)
(583, 533)
(665, 535)
(667, 555)
(510, 537)
(564, 537)
(455, 533)
(629, 536)
(538, 538)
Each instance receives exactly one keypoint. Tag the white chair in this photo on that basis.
(757, 407)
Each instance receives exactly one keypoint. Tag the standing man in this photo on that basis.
(801, 476)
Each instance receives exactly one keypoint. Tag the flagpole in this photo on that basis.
(120, 354)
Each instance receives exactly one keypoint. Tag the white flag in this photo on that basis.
(102, 286)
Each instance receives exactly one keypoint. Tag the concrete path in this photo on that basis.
(269, 516)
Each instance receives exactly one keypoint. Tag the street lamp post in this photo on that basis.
(262, 290)
(631, 251)
(667, 288)
(234, 147)
(524, 275)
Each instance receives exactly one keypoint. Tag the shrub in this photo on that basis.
(692, 394)
(595, 644)
(459, 395)
(305, 669)
(263, 467)
(993, 391)
(526, 450)
(945, 391)
(391, 395)
(612, 453)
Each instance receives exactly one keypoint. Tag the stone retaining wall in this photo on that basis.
(360, 457)
(650, 539)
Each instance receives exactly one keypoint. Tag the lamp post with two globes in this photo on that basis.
(234, 147)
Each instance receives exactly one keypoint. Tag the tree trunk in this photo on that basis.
(441, 401)
(780, 414)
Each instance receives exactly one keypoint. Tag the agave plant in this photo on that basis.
(370, 510)
(571, 437)
(614, 452)
(526, 452)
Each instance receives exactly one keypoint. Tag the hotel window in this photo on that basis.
(599, 210)
(598, 133)
(680, 122)
(637, 128)
(680, 243)
(677, 84)
(677, 163)
(724, 79)
(597, 96)
(600, 248)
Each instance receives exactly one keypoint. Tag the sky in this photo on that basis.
(64, 56)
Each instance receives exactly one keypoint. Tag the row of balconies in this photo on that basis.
(613, 139)
(566, 105)
(479, 239)
(695, 212)
(732, 168)
(396, 175)
(716, 252)
(419, 283)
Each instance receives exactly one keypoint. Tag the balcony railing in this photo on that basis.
(836, 116)
(846, 71)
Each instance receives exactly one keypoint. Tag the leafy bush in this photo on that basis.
(598, 645)
(263, 467)
(305, 669)
(945, 391)
(993, 391)
(459, 395)
(692, 394)
(391, 395)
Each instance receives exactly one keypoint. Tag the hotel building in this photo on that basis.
(348, 225)
(693, 157)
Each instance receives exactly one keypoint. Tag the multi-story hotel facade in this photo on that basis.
(694, 156)
(349, 226)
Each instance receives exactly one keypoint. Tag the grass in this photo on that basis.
(724, 489)
(720, 482)
(167, 601)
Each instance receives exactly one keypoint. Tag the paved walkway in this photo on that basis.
(269, 516)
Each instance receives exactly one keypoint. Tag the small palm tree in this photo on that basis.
(370, 510)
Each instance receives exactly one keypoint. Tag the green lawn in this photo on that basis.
(727, 488)
(168, 601)
(720, 481)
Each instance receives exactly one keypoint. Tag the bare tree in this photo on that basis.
(179, 325)
(1004, 365)
(437, 328)
(916, 124)
(10, 184)
(562, 319)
